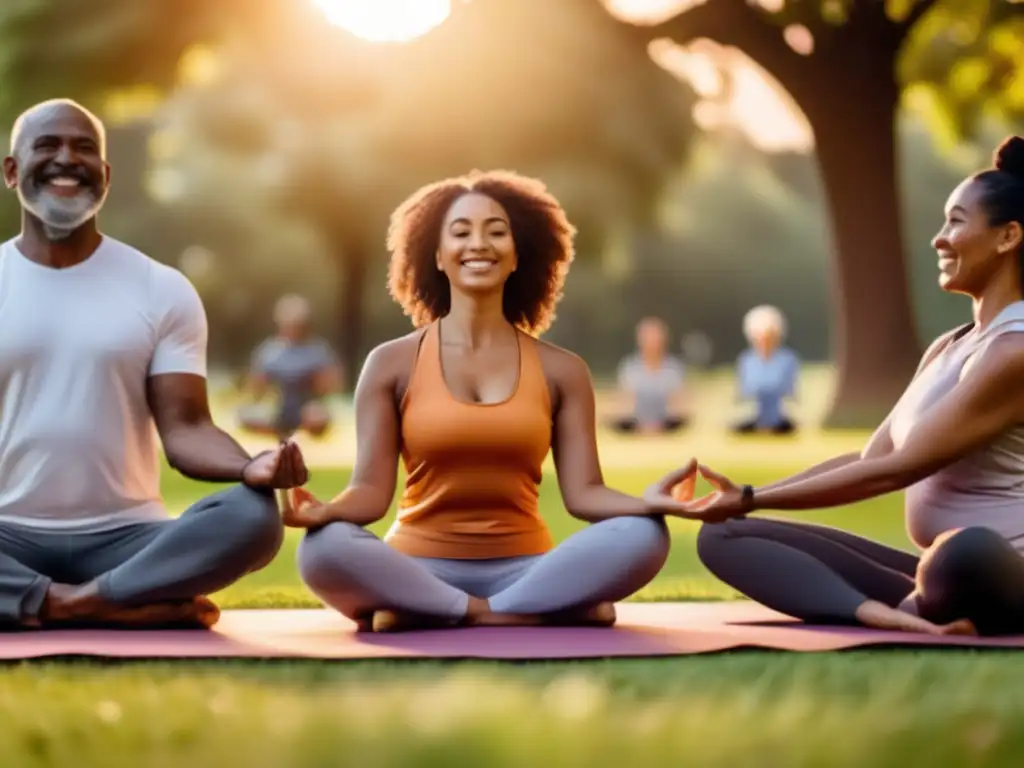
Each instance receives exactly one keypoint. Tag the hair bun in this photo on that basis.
(1009, 156)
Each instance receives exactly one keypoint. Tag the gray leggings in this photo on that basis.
(213, 544)
(821, 574)
(354, 572)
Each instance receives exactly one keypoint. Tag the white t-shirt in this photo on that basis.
(78, 446)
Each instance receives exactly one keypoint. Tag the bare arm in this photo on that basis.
(372, 487)
(879, 445)
(987, 401)
(826, 466)
(574, 446)
(194, 445)
(176, 388)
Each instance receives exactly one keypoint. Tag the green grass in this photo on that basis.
(871, 708)
(855, 709)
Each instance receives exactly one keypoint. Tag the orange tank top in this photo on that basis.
(472, 470)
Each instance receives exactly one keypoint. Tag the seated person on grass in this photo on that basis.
(472, 401)
(102, 350)
(653, 382)
(302, 371)
(767, 372)
(954, 443)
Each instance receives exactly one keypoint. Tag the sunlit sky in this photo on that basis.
(385, 20)
(736, 92)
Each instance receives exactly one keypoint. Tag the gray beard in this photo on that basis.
(60, 218)
(57, 234)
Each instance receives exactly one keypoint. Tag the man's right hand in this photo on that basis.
(280, 467)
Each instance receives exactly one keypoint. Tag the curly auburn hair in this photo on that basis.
(541, 232)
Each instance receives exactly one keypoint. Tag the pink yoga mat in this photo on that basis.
(644, 629)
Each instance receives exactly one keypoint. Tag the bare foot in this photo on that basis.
(880, 616)
(69, 601)
(81, 605)
(491, 619)
(207, 611)
(401, 621)
(960, 627)
(600, 615)
(479, 614)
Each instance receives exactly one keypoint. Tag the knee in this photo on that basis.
(647, 537)
(255, 522)
(714, 538)
(324, 553)
(964, 555)
(971, 573)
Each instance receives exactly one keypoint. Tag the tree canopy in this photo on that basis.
(285, 114)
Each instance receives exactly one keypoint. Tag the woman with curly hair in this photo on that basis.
(472, 401)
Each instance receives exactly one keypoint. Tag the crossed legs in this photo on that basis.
(357, 574)
(143, 574)
(824, 575)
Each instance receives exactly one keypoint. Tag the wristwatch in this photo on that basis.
(747, 497)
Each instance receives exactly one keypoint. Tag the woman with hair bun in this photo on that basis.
(954, 441)
(472, 402)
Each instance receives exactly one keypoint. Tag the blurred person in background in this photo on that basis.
(652, 382)
(767, 372)
(299, 369)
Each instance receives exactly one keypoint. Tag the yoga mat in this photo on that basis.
(644, 629)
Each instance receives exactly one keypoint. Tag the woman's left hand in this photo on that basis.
(669, 495)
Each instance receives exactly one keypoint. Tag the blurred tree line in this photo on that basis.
(268, 148)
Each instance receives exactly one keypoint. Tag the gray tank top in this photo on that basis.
(985, 488)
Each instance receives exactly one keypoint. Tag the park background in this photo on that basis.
(714, 156)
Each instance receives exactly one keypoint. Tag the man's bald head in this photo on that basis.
(58, 166)
(29, 122)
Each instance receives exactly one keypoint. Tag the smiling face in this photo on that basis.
(58, 169)
(476, 251)
(970, 248)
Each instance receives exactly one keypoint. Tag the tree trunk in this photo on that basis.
(847, 89)
(875, 342)
(351, 264)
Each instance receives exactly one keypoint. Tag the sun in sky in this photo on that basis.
(756, 105)
(385, 20)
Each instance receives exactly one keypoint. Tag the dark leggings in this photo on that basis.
(821, 574)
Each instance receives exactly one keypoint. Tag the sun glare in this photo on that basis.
(385, 20)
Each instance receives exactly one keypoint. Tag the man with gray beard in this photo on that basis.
(102, 360)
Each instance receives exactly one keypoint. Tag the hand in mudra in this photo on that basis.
(280, 467)
(668, 496)
(301, 509)
(724, 502)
